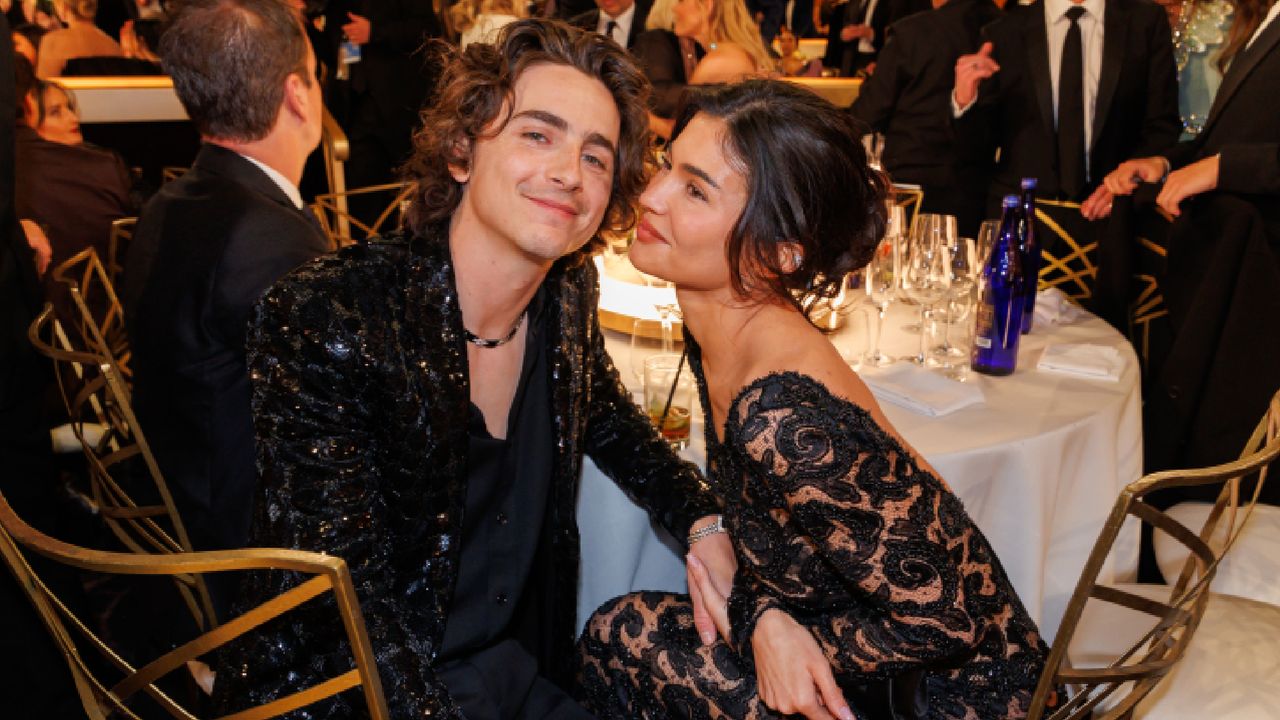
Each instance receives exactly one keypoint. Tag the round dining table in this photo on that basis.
(1038, 464)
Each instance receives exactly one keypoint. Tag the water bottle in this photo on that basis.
(1030, 251)
(998, 326)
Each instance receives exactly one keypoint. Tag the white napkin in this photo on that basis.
(922, 391)
(1055, 308)
(1100, 362)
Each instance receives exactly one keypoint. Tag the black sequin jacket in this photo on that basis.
(360, 405)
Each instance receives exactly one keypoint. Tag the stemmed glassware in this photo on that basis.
(927, 275)
(959, 299)
(986, 240)
(651, 337)
(880, 280)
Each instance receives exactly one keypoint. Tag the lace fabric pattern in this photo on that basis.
(835, 523)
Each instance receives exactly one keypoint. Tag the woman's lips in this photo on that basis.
(646, 233)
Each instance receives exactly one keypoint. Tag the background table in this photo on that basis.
(1038, 467)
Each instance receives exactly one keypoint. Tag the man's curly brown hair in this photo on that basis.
(479, 84)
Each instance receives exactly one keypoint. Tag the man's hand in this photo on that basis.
(37, 241)
(972, 70)
(715, 554)
(1125, 178)
(793, 673)
(1196, 178)
(849, 33)
(356, 31)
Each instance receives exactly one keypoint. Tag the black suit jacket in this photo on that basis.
(589, 19)
(392, 75)
(360, 357)
(207, 246)
(907, 99)
(1137, 101)
(74, 191)
(846, 56)
(1242, 126)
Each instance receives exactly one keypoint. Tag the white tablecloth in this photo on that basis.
(1038, 467)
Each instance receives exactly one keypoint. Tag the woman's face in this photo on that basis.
(691, 18)
(689, 209)
(60, 124)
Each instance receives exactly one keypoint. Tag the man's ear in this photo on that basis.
(296, 96)
(29, 110)
(460, 165)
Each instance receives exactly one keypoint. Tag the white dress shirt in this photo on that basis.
(287, 187)
(868, 45)
(1091, 29)
(622, 32)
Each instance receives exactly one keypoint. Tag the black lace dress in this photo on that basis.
(835, 523)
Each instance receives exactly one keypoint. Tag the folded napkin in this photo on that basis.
(1100, 362)
(1055, 308)
(922, 391)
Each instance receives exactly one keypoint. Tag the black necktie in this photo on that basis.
(1071, 161)
(608, 30)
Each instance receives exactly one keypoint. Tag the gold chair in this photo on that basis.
(94, 309)
(117, 690)
(1113, 665)
(121, 234)
(171, 173)
(94, 392)
(909, 198)
(336, 218)
(1068, 252)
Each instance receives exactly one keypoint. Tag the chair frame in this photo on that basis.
(102, 700)
(1082, 279)
(332, 210)
(102, 394)
(121, 233)
(1140, 668)
(84, 275)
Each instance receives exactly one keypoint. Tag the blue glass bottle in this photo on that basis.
(1030, 251)
(998, 326)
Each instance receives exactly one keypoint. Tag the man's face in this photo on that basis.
(614, 8)
(542, 183)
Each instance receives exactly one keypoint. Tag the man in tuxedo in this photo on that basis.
(1064, 90)
(211, 242)
(906, 100)
(856, 31)
(619, 20)
(387, 88)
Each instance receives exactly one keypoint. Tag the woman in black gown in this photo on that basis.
(863, 588)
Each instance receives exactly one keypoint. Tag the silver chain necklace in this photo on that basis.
(478, 341)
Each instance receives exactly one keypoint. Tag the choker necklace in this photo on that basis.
(478, 341)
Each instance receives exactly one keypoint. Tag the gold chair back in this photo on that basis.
(1114, 691)
(121, 234)
(111, 687)
(337, 219)
(1068, 251)
(94, 392)
(909, 198)
(171, 173)
(94, 310)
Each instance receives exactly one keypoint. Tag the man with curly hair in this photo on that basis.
(423, 402)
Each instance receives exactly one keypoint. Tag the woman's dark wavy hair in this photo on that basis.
(808, 183)
(478, 84)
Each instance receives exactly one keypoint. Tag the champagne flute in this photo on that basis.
(928, 277)
(880, 279)
(959, 299)
(986, 240)
(651, 337)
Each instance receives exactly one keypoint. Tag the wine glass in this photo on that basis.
(927, 276)
(959, 299)
(986, 240)
(880, 280)
(932, 228)
(651, 337)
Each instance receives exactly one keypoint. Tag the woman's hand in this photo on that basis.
(793, 674)
(1198, 177)
(715, 554)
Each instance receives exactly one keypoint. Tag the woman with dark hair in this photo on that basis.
(863, 589)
